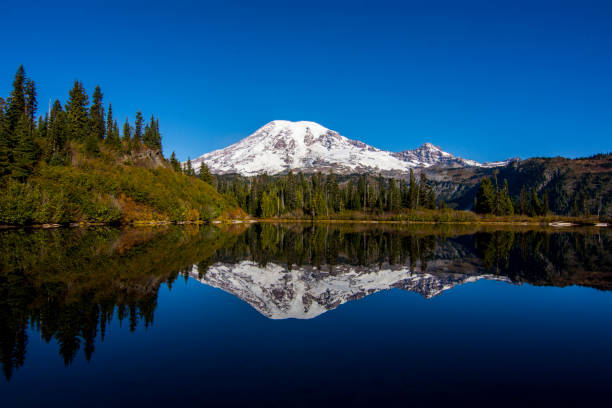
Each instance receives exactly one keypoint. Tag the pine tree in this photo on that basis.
(24, 157)
(31, 104)
(535, 206)
(175, 163)
(138, 128)
(4, 140)
(485, 197)
(76, 112)
(16, 103)
(112, 133)
(423, 187)
(157, 139)
(205, 174)
(57, 133)
(127, 135)
(189, 168)
(96, 115)
(505, 206)
(413, 191)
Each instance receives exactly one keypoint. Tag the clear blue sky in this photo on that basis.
(486, 80)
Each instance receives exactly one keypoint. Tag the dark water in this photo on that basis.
(301, 315)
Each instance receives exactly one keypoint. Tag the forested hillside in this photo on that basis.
(74, 165)
(577, 187)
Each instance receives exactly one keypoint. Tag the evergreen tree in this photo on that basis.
(485, 197)
(395, 198)
(505, 206)
(204, 174)
(25, 151)
(112, 133)
(91, 144)
(413, 191)
(157, 139)
(16, 103)
(189, 168)
(127, 135)
(31, 104)
(423, 187)
(57, 133)
(4, 140)
(361, 192)
(96, 115)
(431, 199)
(175, 163)
(76, 112)
(138, 128)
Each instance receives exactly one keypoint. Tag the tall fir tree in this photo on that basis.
(423, 190)
(205, 174)
(4, 141)
(127, 135)
(31, 103)
(138, 128)
(485, 197)
(16, 102)
(96, 115)
(413, 191)
(188, 170)
(57, 132)
(76, 113)
(176, 165)
(24, 156)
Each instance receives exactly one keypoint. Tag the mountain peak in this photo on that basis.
(283, 145)
(430, 146)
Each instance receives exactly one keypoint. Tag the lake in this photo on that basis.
(302, 315)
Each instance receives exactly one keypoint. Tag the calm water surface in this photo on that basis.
(303, 315)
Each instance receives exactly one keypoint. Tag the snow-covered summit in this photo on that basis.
(306, 292)
(282, 145)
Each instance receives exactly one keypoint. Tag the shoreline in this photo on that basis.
(564, 223)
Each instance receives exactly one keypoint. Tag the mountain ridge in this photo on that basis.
(280, 146)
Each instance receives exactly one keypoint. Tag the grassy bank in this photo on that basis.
(440, 216)
(108, 190)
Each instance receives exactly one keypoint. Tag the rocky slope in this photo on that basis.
(307, 292)
(281, 145)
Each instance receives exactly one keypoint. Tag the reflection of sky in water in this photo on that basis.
(393, 345)
(464, 320)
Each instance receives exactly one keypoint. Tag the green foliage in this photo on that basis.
(96, 116)
(138, 127)
(318, 196)
(16, 100)
(485, 197)
(174, 163)
(24, 155)
(204, 173)
(76, 112)
(60, 171)
(152, 137)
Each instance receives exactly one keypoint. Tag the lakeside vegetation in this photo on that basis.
(319, 197)
(73, 165)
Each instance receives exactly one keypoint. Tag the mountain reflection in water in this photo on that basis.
(69, 284)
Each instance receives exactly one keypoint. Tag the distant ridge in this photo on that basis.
(281, 145)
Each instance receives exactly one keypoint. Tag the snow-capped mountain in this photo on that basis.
(281, 145)
(306, 292)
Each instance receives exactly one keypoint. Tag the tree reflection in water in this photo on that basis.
(68, 284)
